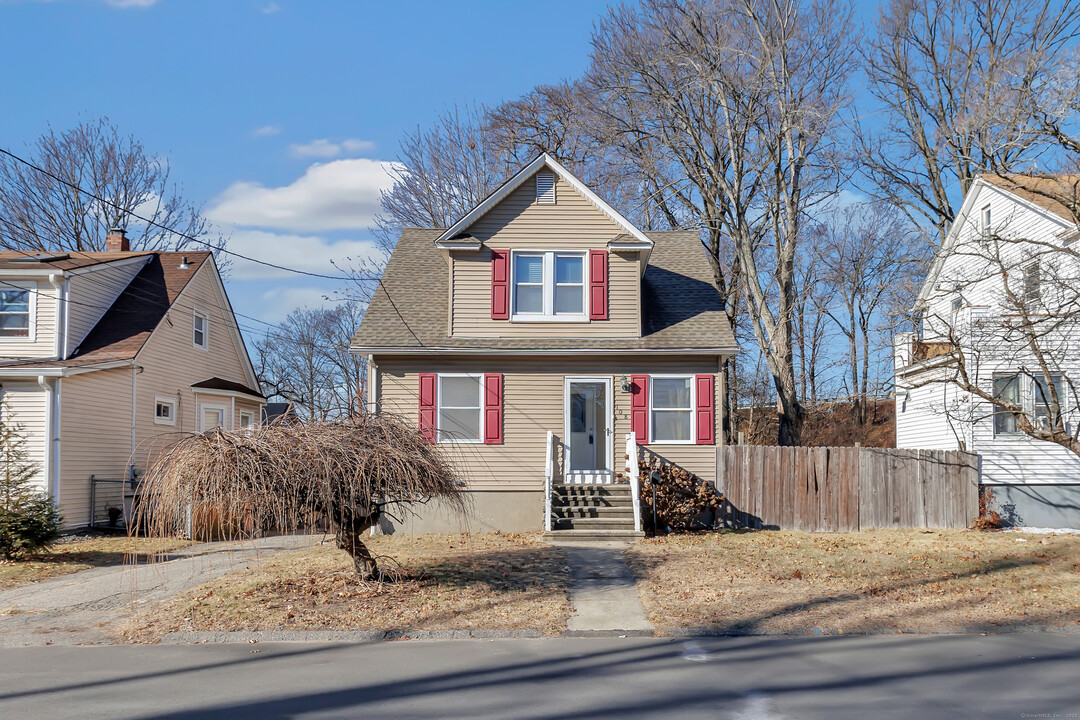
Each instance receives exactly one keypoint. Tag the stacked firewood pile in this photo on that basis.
(683, 501)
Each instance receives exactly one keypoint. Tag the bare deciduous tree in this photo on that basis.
(1005, 330)
(744, 99)
(867, 250)
(306, 361)
(958, 80)
(40, 213)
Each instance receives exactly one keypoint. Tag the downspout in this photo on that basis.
(60, 284)
(50, 437)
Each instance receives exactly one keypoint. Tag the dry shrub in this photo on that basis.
(283, 477)
(681, 498)
(989, 518)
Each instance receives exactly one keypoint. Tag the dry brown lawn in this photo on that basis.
(70, 556)
(873, 580)
(450, 582)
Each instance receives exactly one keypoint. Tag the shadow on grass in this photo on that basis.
(501, 589)
(644, 566)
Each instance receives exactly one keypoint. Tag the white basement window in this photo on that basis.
(672, 408)
(165, 411)
(200, 330)
(247, 419)
(460, 408)
(16, 310)
(549, 285)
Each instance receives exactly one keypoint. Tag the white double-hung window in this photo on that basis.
(672, 408)
(549, 285)
(460, 408)
(16, 310)
(200, 330)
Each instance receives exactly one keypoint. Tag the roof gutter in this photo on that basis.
(358, 350)
(60, 372)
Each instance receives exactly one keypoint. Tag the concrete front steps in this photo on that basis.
(592, 512)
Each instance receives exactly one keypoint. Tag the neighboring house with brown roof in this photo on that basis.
(106, 356)
(534, 337)
(1016, 232)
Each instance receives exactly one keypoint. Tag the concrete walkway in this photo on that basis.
(603, 591)
(82, 607)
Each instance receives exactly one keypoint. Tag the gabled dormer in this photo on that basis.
(544, 256)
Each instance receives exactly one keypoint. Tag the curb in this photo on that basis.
(193, 638)
(837, 632)
(357, 636)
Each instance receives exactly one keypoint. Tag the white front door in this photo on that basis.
(588, 430)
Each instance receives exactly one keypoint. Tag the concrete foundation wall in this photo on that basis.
(1051, 506)
(505, 511)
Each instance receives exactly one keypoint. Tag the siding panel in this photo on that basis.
(92, 293)
(533, 404)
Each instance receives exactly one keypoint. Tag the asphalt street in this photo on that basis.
(1002, 676)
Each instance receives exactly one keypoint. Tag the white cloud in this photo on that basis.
(276, 304)
(300, 252)
(131, 3)
(338, 195)
(326, 149)
(269, 8)
(266, 131)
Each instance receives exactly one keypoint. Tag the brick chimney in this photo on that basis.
(117, 241)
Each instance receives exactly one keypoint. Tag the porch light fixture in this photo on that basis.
(624, 384)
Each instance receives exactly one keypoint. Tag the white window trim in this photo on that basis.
(984, 226)
(197, 313)
(693, 407)
(32, 287)
(549, 287)
(203, 407)
(171, 402)
(439, 408)
(240, 420)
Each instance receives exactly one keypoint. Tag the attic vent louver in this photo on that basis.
(545, 188)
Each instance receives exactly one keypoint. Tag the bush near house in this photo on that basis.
(29, 521)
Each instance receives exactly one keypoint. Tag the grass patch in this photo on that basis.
(69, 556)
(888, 579)
(478, 581)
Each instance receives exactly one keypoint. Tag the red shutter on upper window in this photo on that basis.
(428, 394)
(500, 284)
(598, 285)
(639, 407)
(493, 409)
(705, 412)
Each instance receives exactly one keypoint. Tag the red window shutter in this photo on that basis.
(705, 412)
(493, 409)
(428, 395)
(598, 285)
(500, 284)
(639, 407)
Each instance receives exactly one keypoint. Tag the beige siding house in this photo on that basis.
(551, 346)
(107, 356)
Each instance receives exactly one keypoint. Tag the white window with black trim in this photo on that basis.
(549, 285)
(460, 408)
(17, 306)
(672, 403)
(200, 330)
(165, 411)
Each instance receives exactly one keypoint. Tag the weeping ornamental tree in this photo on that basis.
(283, 477)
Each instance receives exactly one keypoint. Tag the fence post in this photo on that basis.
(93, 499)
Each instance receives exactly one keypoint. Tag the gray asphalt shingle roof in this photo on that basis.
(682, 308)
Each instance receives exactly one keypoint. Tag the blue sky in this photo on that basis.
(277, 115)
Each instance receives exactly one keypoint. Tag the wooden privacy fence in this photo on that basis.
(848, 488)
